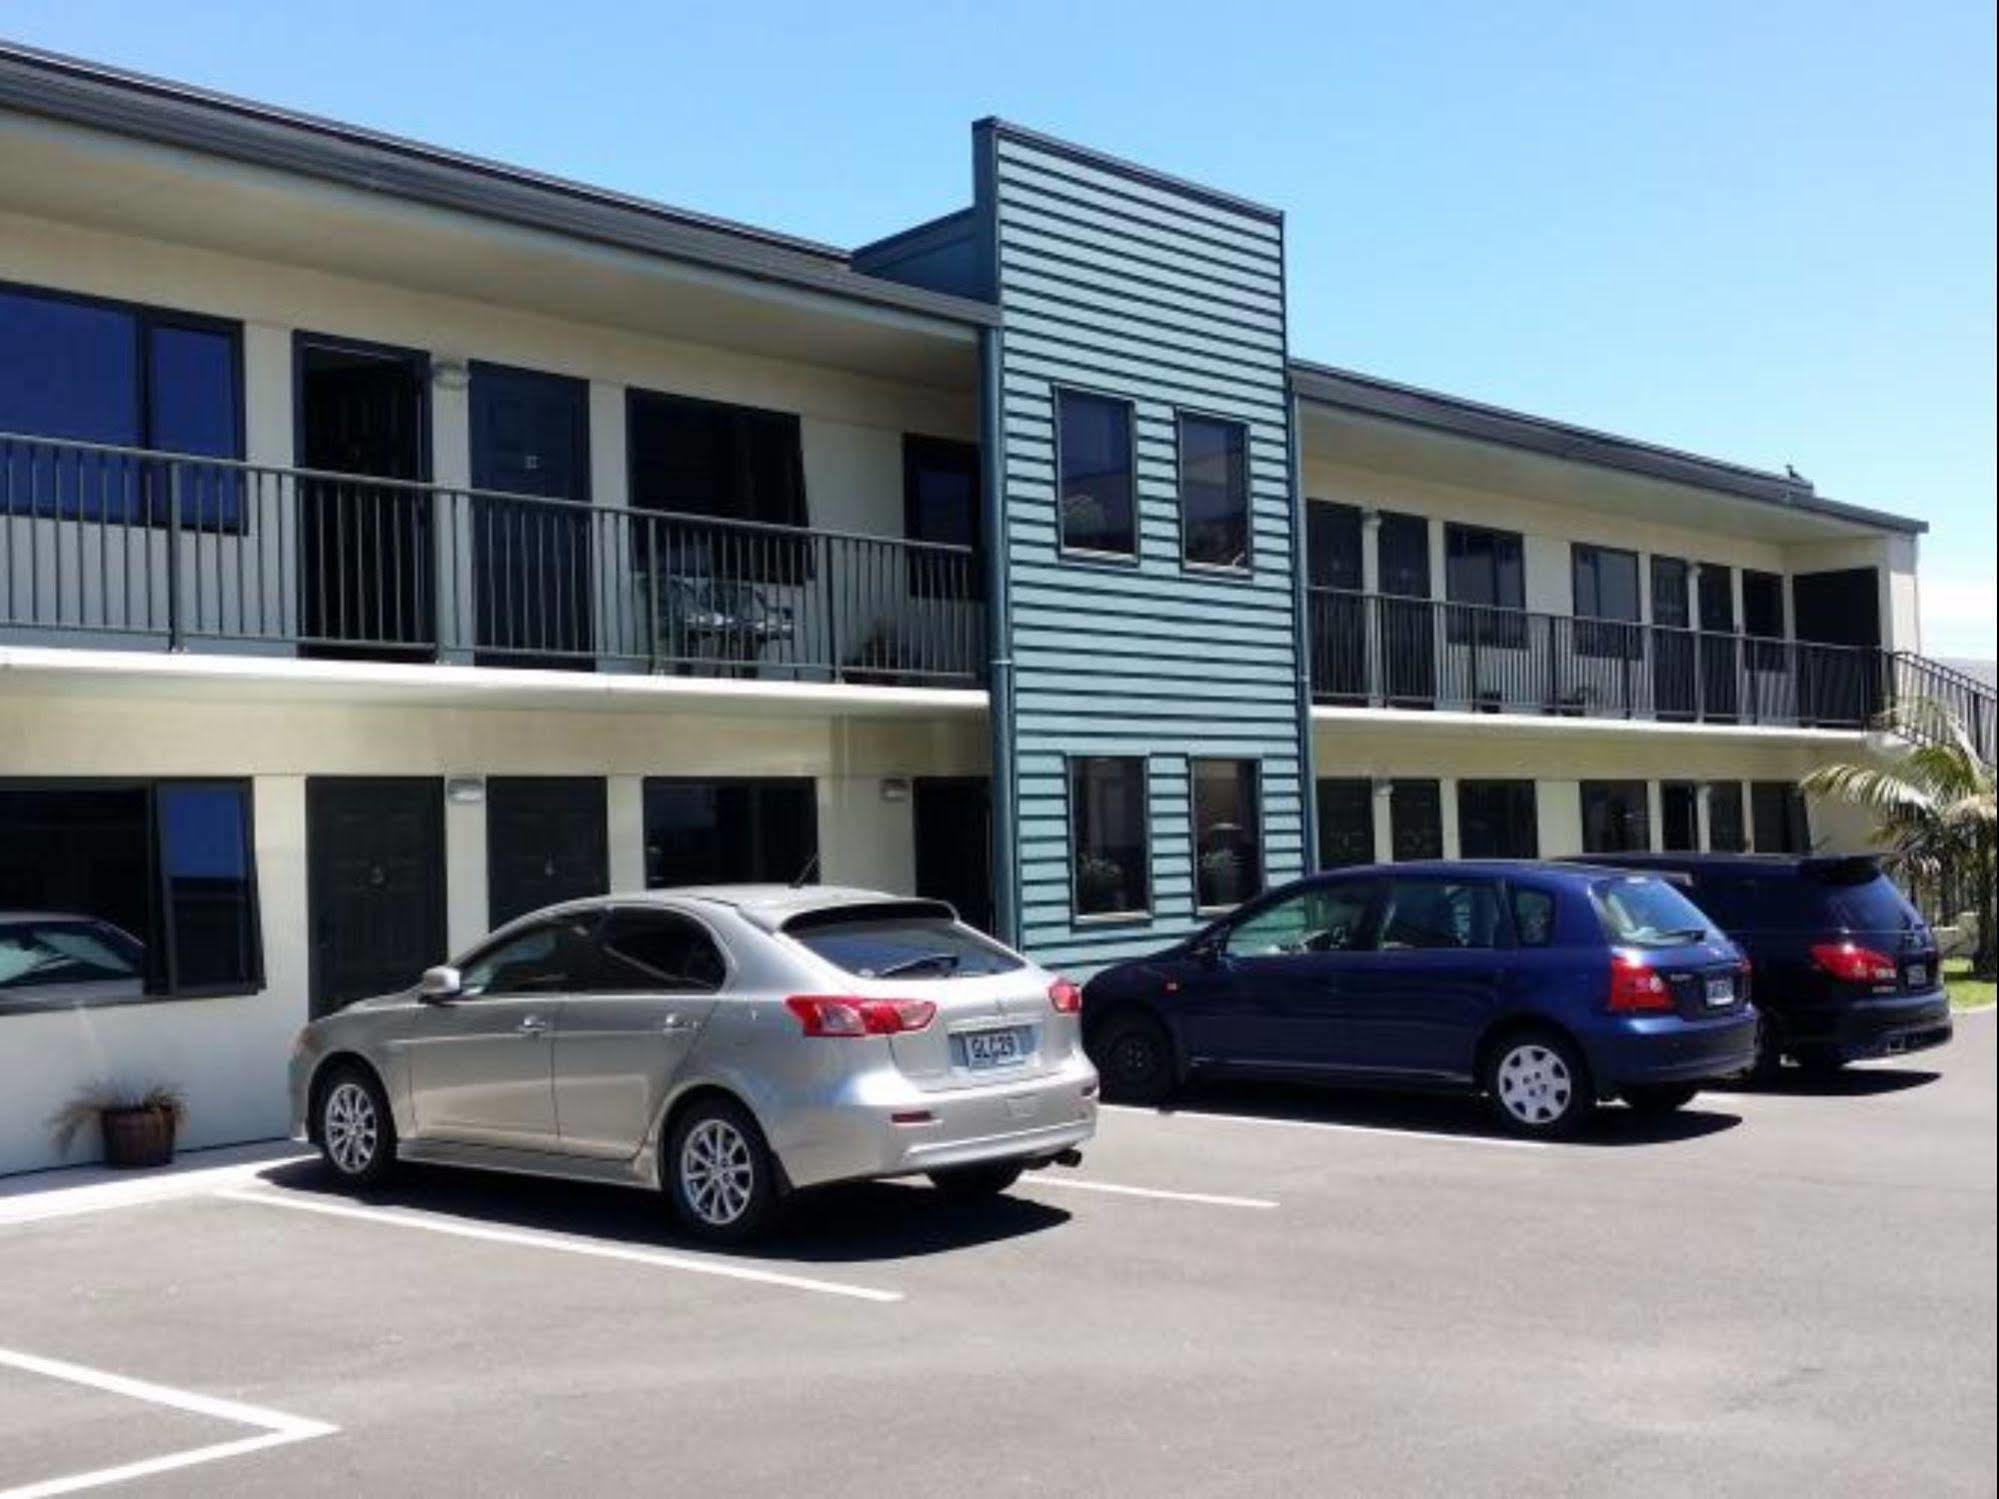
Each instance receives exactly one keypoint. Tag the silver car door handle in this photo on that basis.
(674, 1023)
(533, 1025)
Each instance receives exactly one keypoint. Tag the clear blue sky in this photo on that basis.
(1761, 231)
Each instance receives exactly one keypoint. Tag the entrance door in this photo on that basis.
(1840, 612)
(1337, 606)
(532, 578)
(1679, 815)
(1721, 665)
(366, 587)
(1675, 679)
(546, 841)
(1408, 618)
(375, 884)
(954, 839)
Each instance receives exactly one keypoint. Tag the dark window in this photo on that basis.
(1496, 820)
(1606, 590)
(1762, 605)
(1333, 543)
(1671, 608)
(1617, 817)
(1643, 911)
(155, 879)
(1485, 568)
(1416, 820)
(1777, 812)
(731, 463)
(1228, 842)
(1098, 503)
(1725, 823)
(940, 503)
(1447, 914)
(659, 951)
(1214, 491)
(1107, 828)
(1346, 821)
(1679, 817)
(914, 940)
(77, 370)
(1402, 549)
(1533, 917)
(1320, 918)
(551, 957)
(730, 831)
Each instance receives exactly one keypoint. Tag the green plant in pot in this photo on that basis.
(138, 1124)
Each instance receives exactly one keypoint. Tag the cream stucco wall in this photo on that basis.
(228, 1054)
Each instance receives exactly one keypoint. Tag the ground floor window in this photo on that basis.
(1497, 820)
(1107, 830)
(112, 891)
(1617, 817)
(730, 830)
(1725, 822)
(1346, 821)
(1416, 820)
(1228, 842)
(1679, 817)
(1777, 812)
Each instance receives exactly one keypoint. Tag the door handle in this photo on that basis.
(673, 1023)
(533, 1025)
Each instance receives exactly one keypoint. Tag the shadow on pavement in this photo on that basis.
(833, 1225)
(1434, 1113)
(1851, 1082)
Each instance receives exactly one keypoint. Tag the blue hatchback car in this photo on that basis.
(1548, 987)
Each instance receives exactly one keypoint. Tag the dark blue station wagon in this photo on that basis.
(1550, 988)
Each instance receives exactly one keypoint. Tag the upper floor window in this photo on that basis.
(1093, 460)
(1228, 845)
(941, 503)
(77, 370)
(1606, 601)
(1333, 545)
(1485, 569)
(1214, 492)
(1762, 604)
(705, 458)
(1108, 831)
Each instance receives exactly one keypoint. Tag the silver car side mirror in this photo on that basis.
(439, 983)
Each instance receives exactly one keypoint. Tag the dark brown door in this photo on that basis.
(375, 884)
(954, 836)
(1721, 656)
(546, 841)
(1839, 672)
(1408, 625)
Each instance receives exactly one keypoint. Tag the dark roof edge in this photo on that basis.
(1104, 161)
(1415, 406)
(941, 224)
(86, 93)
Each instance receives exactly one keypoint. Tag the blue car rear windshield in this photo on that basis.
(1640, 911)
(873, 945)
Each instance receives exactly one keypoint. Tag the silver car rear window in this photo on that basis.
(875, 944)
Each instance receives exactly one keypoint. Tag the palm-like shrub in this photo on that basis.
(1933, 810)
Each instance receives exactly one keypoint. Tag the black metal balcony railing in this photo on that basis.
(1380, 651)
(123, 545)
(1969, 701)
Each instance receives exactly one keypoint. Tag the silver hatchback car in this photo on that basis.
(726, 1044)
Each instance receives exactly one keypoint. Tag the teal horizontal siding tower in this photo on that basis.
(1165, 300)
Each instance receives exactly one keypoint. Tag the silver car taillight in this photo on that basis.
(836, 1015)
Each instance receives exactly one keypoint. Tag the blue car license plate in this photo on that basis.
(1720, 992)
(985, 1049)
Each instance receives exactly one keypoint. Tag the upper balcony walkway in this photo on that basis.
(124, 548)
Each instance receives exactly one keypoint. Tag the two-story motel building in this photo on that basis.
(392, 542)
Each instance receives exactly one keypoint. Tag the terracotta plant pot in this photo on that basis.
(137, 1137)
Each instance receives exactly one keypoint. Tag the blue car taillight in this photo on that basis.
(1636, 987)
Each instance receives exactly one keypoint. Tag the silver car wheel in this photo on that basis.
(1534, 1084)
(717, 1172)
(350, 1128)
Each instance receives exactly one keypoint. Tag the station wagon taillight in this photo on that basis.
(833, 1015)
(1636, 986)
(1066, 996)
(1853, 964)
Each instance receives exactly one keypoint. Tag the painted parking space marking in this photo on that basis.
(1208, 1199)
(523, 1238)
(1387, 1132)
(38, 1206)
(274, 1428)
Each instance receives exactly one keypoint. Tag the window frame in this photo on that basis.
(1598, 635)
(1182, 415)
(915, 445)
(1064, 548)
(149, 512)
(1259, 874)
(1136, 915)
(1511, 787)
(160, 905)
(1369, 885)
(1507, 623)
(810, 784)
(1583, 788)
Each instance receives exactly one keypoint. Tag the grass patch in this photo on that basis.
(1966, 992)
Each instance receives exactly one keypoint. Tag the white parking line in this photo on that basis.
(25, 1201)
(1328, 1125)
(656, 1258)
(1210, 1199)
(276, 1429)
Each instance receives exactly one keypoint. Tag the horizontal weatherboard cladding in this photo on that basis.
(1116, 281)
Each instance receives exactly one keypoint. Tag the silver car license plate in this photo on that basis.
(984, 1049)
(1919, 975)
(1721, 992)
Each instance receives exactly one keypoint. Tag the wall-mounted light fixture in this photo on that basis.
(1384, 786)
(465, 791)
(895, 788)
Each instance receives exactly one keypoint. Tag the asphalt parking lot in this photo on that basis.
(1777, 1292)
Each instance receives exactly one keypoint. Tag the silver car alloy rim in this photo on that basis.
(351, 1128)
(1534, 1084)
(716, 1172)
